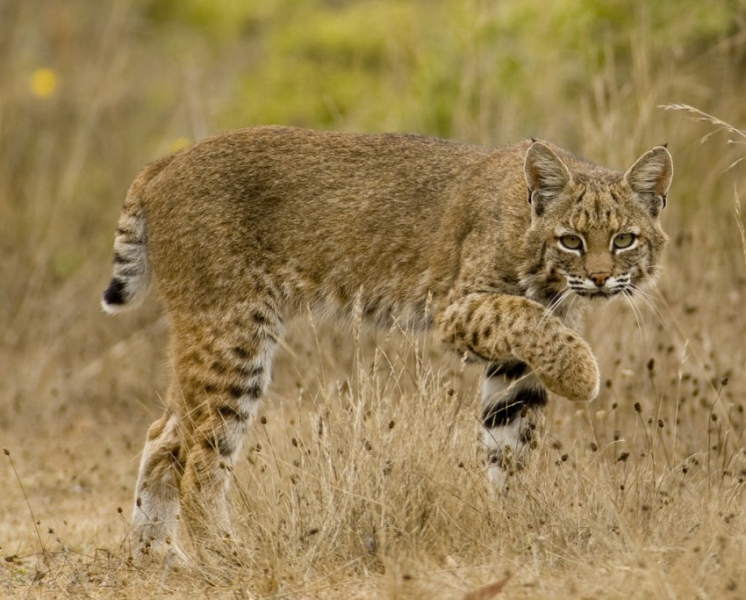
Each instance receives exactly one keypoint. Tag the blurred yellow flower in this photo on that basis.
(179, 144)
(44, 82)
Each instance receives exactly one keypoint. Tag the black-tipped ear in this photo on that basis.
(650, 177)
(546, 176)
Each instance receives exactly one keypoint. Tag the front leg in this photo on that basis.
(513, 404)
(496, 328)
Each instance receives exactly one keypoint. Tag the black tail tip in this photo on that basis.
(114, 294)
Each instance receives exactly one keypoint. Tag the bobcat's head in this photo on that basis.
(597, 231)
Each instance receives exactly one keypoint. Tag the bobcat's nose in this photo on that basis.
(599, 278)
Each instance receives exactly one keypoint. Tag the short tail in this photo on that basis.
(130, 279)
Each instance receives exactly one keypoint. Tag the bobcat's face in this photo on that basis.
(601, 241)
(599, 231)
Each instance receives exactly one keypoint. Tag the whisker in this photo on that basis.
(649, 302)
(553, 306)
(641, 327)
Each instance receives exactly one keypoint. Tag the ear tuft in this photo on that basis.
(650, 177)
(546, 175)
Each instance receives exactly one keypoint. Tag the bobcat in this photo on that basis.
(504, 246)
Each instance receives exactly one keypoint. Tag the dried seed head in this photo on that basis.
(638, 407)
(623, 457)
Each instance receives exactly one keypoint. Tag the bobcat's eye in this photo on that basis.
(624, 240)
(571, 242)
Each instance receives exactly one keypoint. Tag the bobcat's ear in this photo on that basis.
(650, 178)
(546, 176)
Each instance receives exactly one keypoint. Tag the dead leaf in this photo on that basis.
(487, 592)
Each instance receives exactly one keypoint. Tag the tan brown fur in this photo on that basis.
(248, 228)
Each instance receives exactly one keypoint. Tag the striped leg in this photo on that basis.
(513, 401)
(238, 377)
(221, 371)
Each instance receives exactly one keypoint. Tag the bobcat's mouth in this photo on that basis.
(600, 293)
(586, 288)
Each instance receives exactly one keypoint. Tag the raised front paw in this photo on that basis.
(571, 369)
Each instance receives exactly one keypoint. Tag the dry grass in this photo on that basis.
(365, 481)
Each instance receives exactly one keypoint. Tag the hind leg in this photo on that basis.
(155, 514)
(513, 402)
(223, 371)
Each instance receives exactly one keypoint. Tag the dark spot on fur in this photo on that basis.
(228, 412)
(252, 392)
(511, 370)
(127, 272)
(487, 332)
(218, 367)
(501, 414)
(533, 397)
(506, 411)
(225, 448)
(475, 339)
(119, 259)
(259, 318)
(495, 456)
(219, 444)
(256, 371)
(241, 353)
(246, 371)
(175, 457)
(527, 434)
(114, 294)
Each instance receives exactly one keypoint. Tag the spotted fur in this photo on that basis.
(506, 246)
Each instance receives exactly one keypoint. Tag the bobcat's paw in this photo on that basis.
(573, 371)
